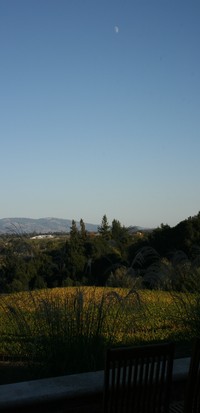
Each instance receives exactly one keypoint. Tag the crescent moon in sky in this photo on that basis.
(116, 28)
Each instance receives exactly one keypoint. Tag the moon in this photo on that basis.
(116, 29)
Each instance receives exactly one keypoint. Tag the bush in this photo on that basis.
(65, 332)
(122, 278)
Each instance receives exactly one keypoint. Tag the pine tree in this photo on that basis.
(83, 232)
(104, 228)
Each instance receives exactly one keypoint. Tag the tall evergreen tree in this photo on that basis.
(104, 228)
(75, 253)
(74, 234)
(83, 232)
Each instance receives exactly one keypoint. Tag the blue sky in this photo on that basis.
(100, 110)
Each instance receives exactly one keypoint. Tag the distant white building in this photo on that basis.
(42, 236)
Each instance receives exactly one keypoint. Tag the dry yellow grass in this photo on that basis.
(119, 315)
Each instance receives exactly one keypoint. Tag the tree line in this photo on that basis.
(161, 258)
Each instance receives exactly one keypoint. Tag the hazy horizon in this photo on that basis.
(134, 224)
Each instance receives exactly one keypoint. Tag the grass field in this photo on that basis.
(66, 330)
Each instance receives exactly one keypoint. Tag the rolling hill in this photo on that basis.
(39, 226)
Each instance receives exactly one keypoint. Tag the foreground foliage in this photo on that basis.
(66, 330)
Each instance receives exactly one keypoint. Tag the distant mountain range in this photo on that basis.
(39, 226)
(45, 226)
